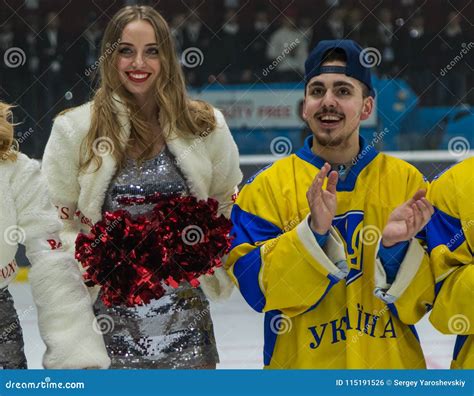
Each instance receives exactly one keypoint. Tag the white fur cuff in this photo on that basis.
(407, 271)
(65, 318)
(216, 287)
(332, 257)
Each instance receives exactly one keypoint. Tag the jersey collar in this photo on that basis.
(366, 154)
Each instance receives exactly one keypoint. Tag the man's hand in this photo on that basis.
(407, 220)
(322, 203)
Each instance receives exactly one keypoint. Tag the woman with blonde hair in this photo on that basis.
(139, 136)
(27, 217)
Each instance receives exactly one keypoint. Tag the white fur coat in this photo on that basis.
(209, 164)
(65, 315)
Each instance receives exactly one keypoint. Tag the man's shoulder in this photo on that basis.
(391, 162)
(279, 169)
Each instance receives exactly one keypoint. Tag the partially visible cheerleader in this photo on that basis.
(65, 317)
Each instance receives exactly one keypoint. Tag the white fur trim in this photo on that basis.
(217, 287)
(406, 273)
(65, 316)
(334, 250)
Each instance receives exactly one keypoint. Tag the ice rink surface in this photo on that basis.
(239, 333)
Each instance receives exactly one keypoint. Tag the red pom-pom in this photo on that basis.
(131, 258)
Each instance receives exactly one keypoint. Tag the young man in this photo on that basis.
(450, 240)
(296, 222)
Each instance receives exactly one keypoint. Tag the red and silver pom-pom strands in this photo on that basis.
(130, 258)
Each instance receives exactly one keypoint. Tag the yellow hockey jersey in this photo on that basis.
(450, 241)
(320, 313)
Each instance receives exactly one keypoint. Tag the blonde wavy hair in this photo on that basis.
(177, 112)
(8, 145)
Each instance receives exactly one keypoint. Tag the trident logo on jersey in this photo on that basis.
(351, 228)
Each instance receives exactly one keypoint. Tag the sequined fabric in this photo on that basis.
(159, 174)
(175, 331)
(12, 355)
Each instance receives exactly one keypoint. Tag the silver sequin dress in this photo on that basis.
(176, 330)
(12, 355)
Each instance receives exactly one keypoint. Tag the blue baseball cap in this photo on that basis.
(355, 67)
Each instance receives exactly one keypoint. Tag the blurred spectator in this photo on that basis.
(177, 25)
(452, 40)
(356, 27)
(32, 4)
(9, 68)
(226, 50)
(6, 35)
(408, 3)
(14, 68)
(51, 46)
(287, 52)
(383, 41)
(30, 45)
(305, 26)
(197, 37)
(255, 41)
(80, 55)
(231, 4)
(330, 28)
(417, 51)
(335, 24)
(32, 146)
(92, 37)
